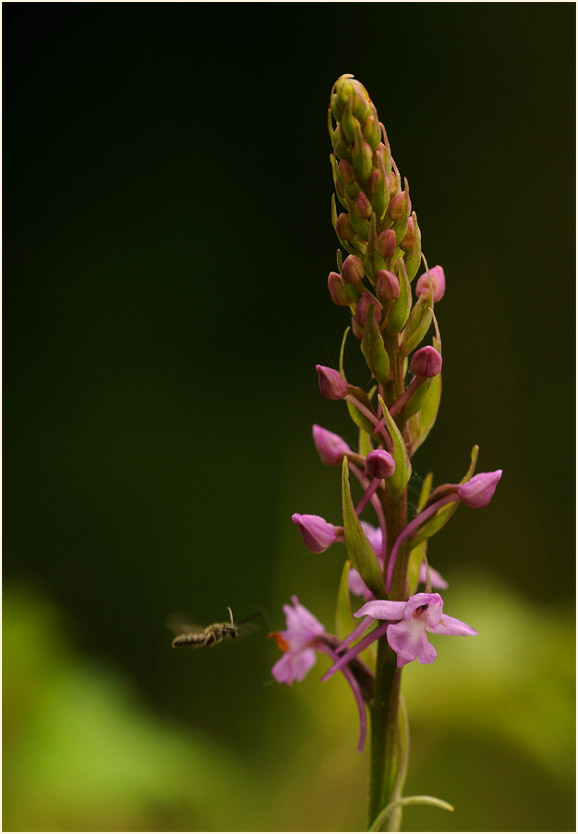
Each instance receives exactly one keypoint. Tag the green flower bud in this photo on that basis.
(372, 131)
(377, 190)
(362, 157)
(349, 124)
(413, 253)
(340, 144)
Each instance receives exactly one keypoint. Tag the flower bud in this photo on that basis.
(331, 383)
(372, 131)
(343, 227)
(399, 206)
(379, 464)
(352, 270)
(339, 142)
(438, 283)
(410, 238)
(363, 206)
(331, 448)
(377, 190)
(337, 290)
(317, 534)
(478, 491)
(366, 301)
(347, 172)
(426, 362)
(349, 124)
(386, 243)
(362, 156)
(386, 285)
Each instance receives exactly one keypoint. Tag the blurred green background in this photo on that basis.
(167, 239)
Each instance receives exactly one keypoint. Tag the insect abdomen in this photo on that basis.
(190, 641)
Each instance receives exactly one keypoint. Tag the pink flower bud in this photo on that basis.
(379, 464)
(331, 383)
(344, 228)
(438, 283)
(386, 285)
(316, 533)
(347, 172)
(386, 243)
(332, 448)
(410, 236)
(478, 491)
(365, 302)
(397, 207)
(337, 290)
(426, 362)
(352, 270)
(363, 206)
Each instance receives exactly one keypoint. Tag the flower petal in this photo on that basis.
(382, 609)
(293, 666)
(436, 579)
(409, 640)
(451, 625)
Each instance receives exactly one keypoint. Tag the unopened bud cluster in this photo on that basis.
(376, 227)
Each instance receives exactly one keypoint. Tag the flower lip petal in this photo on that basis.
(293, 666)
(409, 640)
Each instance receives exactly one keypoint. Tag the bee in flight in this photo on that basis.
(193, 637)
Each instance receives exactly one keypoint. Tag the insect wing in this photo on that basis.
(246, 627)
(182, 625)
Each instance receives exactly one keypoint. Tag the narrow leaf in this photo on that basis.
(421, 424)
(425, 491)
(402, 473)
(374, 350)
(365, 444)
(344, 619)
(400, 311)
(359, 550)
(416, 558)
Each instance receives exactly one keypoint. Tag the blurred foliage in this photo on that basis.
(82, 752)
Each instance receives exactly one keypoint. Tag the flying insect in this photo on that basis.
(194, 637)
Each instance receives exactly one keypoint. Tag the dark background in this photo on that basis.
(167, 239)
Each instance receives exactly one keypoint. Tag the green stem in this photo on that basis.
(384, 732)
(385, 743)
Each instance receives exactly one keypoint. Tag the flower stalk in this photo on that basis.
(390, 317)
